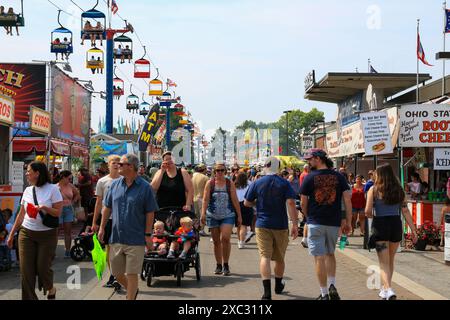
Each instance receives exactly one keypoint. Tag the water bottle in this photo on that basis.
(343, 242)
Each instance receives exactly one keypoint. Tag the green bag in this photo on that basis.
(99, 258)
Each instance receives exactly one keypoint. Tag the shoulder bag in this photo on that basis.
(47, 219)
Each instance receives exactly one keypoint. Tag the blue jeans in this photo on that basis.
(216, 223)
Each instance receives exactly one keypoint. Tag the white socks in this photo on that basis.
(324, 291)
(331, 281)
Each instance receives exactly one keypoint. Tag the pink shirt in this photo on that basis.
(67, 194)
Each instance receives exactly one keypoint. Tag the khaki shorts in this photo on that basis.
(272, 243)
(126, 259)
(198, 208)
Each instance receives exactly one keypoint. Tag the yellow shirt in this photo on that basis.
(199, 180)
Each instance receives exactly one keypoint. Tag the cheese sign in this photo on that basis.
(40, 121)
(6, 110)
(149, 129)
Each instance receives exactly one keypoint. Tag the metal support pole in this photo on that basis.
(168, 136)
(287, 133)
(109, 80)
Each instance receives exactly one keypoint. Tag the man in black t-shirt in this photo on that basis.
(321, 195)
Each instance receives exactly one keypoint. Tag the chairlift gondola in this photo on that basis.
(93, 25)
(123, 49)
(142, 67)
(61, 41)
(10, 19)
(118, 86)
(132, 101)
(95, 60)
(156, 86)
(144, 108)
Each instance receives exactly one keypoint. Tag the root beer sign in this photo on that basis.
(425, 125)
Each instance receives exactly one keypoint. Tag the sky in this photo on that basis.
(236, 60)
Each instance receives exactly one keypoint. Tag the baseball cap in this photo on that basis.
(272, 165)
(314, 152)
(201, 166)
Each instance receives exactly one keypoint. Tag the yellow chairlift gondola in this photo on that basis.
(156, 86)
(95, 60)
(132, 101)
(10, 19)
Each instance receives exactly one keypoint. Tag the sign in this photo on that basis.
(425, 125)
(40, 121)
(27, 84)
(149, 129)
(307, 143)
(71, 108)
(377, 137)
(310, 80)
(441, 159)
(6, 110)
(348, 109)
(332, 144)
(351, 140)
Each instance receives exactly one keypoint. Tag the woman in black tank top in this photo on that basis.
(173, 187)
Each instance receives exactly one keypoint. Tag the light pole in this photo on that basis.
(287, 130)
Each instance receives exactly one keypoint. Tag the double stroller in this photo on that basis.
(156, 265)
(83, 244)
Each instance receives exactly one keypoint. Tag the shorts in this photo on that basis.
(272, 243)
(126, 259)
(322, 239)
(108, 231)
(67, 215)
(247, 215)
(387, 229)
(216, 223)
(198, 208)
(355, 210)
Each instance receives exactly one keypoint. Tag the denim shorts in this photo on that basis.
(355, 210)
(216, 223)
(67, 215)
(322, 239)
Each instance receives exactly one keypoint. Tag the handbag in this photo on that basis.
(80, 214)
(47, 219)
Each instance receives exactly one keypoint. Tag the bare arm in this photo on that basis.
(235, 200)
(369, 203)
(18, 222)
(348, 206)
(76, 194)
(189, 186)
(249, 204)
(293, 215)
(97, 210)
(157, 179)
(206, 198)
(408, 217)
(304, 203)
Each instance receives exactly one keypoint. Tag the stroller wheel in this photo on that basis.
(149, 279)
(77, 253)
(143, 273)
(198, 268)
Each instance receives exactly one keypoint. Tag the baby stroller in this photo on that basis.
(83, 245)
(159, 265)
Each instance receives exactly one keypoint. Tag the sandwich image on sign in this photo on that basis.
(379, 146)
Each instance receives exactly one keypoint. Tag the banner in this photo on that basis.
(149, 129)
(40, 121)
(351, 140)
(26, 84)
(332, 144)
(425, 125)
(71, 104)
(441, 159)
(377, 138)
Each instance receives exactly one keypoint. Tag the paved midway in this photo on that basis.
(354, 274)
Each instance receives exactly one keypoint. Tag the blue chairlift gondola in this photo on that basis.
(61, 41)
(10, 19)
(93, 26)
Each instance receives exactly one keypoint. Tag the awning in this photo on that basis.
(60, 148)
(79, 152)
(22, 145)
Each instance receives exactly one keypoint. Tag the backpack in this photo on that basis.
(213, 187)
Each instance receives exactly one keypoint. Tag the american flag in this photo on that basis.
(447, 21)
(420, 52)
(114, 7)
(170, 83)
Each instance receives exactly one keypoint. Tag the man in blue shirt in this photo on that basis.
(271, 193)
(132, 203)
(321, 197)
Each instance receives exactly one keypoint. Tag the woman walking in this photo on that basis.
(70, 196)
(220, 205)
(37, 242)
(242, 185)
(358, 205)
(387, 197)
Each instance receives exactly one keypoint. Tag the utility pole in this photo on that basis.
(287, 130)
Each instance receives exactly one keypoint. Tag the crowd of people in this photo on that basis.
(258, 201)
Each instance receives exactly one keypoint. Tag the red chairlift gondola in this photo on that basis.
(142, 67)
(118, 86)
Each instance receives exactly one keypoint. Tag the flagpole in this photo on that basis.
(417, 79)
(368, 65)
(443, 60)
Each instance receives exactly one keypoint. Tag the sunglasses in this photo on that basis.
(123, 164)
(220, 170)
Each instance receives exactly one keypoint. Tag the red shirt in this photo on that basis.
(302, 177)
(358, 198)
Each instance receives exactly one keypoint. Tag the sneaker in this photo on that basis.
(183, 255)
(304, 244)
(67, 255)
(110, 282)
(203, 233)
(211, 240)
(382, 294)
(326, 297)
(241, 244)
(279, 289)
(249, 236)
(218, 269)
(266, 298)
(333, 294)
(117, 286)
(171, 255)
(226, 270)
(390, 294)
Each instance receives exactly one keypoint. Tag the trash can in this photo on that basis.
(447, 239)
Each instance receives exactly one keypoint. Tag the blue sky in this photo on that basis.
(245, 59)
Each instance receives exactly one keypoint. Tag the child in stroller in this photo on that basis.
(186, 236)
(83, 244)
(159, 239)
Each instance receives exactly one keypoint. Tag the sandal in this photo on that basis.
(51, 296)
(137, 291)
